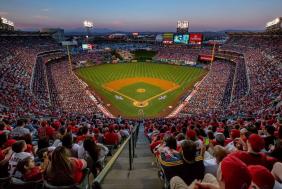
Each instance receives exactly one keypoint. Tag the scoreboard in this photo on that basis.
(182, 27)
(181, 39)
(184, 39)
(196, 38)
(168, 38)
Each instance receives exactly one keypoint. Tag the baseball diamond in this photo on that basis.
(141, 85)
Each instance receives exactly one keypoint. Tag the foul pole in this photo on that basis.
(212, 57)
(69, 60)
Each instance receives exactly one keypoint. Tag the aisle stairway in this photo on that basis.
(143, 175)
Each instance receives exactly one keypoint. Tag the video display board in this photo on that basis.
(206, 57)
(87, 46)
(168, 38)
(196, 38)
(181, 39)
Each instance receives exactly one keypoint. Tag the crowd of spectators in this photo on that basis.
(256, 82)
(206, 151)
(39, 83)
(17, 57)
(95, 56)
(210, 93)
(57, 150)
(67, 92)
(180, 54)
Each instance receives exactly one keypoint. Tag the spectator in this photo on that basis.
(261, 177)
(94, 154)
(19, 154)
(20, 131)
(63, 169)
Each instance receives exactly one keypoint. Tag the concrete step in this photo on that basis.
(143, 176)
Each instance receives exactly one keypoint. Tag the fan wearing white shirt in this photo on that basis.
(18, 154)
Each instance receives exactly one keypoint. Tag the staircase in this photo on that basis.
(142, 176)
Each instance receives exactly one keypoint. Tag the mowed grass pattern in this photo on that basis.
(184, 76)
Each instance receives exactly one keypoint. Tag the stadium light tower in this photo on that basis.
(88, 26)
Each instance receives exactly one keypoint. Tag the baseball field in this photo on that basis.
(140, 89)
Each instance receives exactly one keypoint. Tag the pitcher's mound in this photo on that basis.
(141, 90)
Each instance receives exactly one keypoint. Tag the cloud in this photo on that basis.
(3, 13)
(45, 10)
(41, 17)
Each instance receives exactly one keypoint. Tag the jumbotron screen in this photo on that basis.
(168, 38)
(196, 38)
(87, 46)
(181, 39)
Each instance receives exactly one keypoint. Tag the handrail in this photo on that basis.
(132, 138)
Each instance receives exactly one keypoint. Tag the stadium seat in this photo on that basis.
(16, 183)
(4, 182)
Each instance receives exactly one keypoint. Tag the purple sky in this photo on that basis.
(142, 15)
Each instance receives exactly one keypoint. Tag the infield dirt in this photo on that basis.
(119, 84)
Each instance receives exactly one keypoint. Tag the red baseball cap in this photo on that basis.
(191, 134)
(257, 143)
(235, 173)
(261, 176)
(235, 133)
(10, 142)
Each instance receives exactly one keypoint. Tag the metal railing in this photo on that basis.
(131, 142)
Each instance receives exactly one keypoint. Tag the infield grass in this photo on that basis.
(149, 91)
(97, 76)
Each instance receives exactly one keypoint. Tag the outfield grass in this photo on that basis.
(97, 76)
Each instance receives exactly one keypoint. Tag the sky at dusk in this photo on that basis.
(142, 15)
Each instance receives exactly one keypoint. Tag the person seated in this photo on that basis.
(261, 177)
(63, 169)
(67, 141)
(232, 174)
(93, 153)
(253, 156)
(5, 154)
(19, 154)
(45, 131)
(20, 130)
(211, 165)
(169, 158)
(30, 171)
(111, 137)
(193, 165)
(277, 173)
(82, 134)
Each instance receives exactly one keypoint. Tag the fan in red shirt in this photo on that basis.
(45, 131)
(253, 156)
(110, 137)
(31, 172)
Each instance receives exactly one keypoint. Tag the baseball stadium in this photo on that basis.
(141, 89)
(141, 95)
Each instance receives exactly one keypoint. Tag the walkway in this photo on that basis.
(143, 175)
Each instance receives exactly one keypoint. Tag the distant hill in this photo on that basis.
(82, 31)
